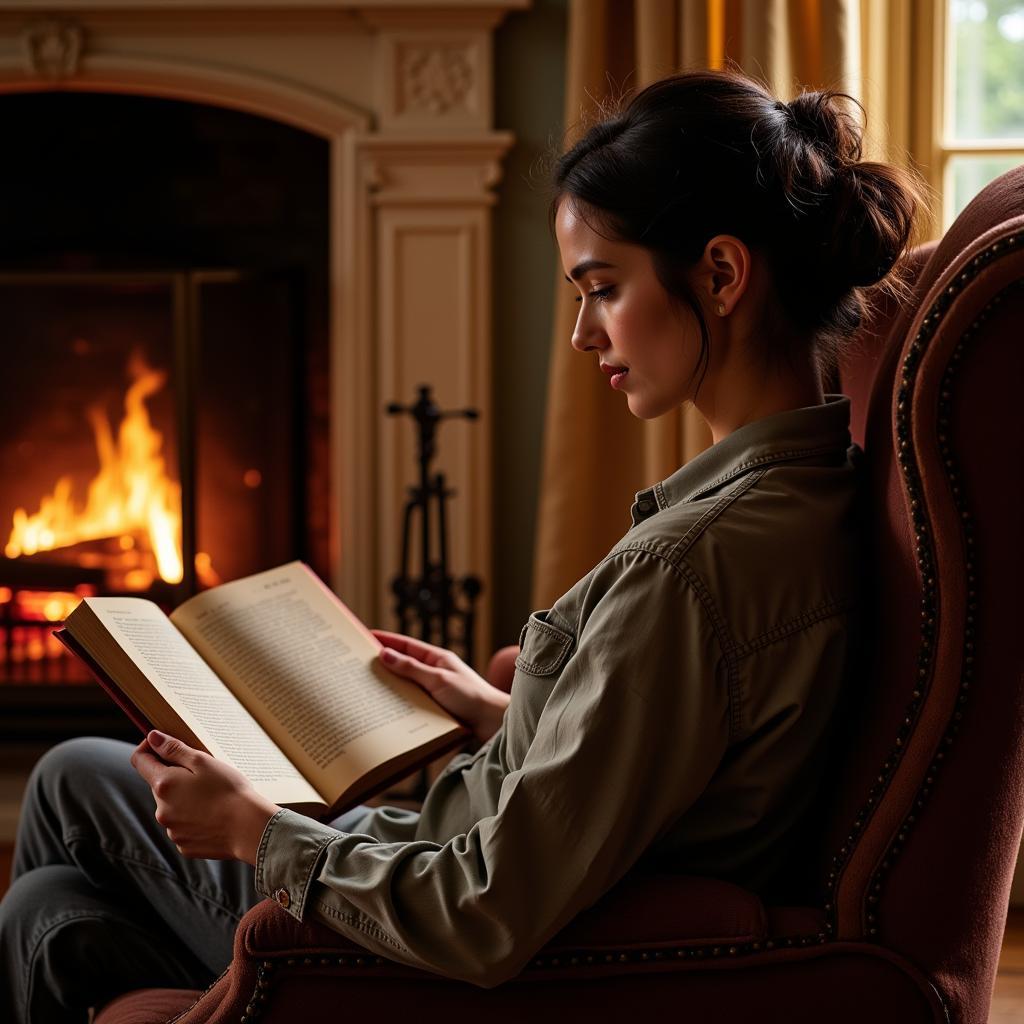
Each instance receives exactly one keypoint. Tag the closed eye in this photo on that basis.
(598, 294)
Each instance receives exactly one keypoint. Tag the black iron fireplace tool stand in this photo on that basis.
(429, 597)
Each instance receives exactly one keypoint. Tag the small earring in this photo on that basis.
(721, 309)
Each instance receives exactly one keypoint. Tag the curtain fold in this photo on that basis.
(596, 454)
(885, 84)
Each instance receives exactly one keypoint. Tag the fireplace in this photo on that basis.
(344, 155)
(154, 446)
(163, 426)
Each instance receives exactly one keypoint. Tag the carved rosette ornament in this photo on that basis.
(53, 48)
(437, 79)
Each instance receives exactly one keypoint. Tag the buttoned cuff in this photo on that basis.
(290, 853)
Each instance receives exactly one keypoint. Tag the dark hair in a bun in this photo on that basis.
(703, 153)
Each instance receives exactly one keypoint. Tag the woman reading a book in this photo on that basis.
(670, 710)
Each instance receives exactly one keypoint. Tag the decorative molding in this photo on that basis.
(391, 9)
(432, 80)
(310, 110)
(200, 21)
(436, 170)
(261, 16)
(492, 174)
(53, 48)
(432, 17)
(436, 78)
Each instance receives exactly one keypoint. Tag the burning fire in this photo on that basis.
(131, 494)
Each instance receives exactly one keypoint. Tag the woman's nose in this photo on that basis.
(587, 335)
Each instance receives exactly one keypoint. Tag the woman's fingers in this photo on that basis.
(412, 647)
(411, 668)
(447, 678)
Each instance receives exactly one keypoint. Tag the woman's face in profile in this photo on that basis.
(627, 318)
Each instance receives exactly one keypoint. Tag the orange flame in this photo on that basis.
(131, 492)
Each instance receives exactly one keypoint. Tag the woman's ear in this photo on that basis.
(723, 273)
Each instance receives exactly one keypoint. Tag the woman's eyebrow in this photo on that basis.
(587, 265)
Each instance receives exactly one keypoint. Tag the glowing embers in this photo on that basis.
(131, 503)
(29, 652)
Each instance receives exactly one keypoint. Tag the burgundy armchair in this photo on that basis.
(917, 846)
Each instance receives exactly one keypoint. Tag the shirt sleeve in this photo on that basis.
(636, 722)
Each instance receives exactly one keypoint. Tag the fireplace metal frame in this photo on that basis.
(45, 711)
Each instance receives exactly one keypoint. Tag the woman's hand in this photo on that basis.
(448, 679)
(208, 808)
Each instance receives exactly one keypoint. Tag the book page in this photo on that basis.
(202, 701)
(308, 670)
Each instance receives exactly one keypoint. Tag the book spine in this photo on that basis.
(113, 691)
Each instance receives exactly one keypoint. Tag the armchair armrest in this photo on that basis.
(666, 910)
(642, 910)
(654, 912)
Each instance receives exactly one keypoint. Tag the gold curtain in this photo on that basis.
(900, 42)
(596, 455)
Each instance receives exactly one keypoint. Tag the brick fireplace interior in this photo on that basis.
(163, 291)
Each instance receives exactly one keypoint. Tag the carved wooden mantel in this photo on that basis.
(403, 93)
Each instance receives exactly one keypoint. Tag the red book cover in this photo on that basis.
(113, 690)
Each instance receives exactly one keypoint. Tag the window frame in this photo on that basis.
(933, 28)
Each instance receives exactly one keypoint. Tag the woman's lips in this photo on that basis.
(616, 375)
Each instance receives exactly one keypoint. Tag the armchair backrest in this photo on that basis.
(928, 818)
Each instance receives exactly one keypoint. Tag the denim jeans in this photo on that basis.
(101, 902)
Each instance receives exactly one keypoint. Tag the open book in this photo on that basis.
(272, 674)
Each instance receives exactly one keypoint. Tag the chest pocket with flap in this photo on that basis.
(543, 648)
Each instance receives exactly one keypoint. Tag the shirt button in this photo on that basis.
(283, 898)
(644, 507)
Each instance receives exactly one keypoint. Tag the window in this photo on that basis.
(982, 98)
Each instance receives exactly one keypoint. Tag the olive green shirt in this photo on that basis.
(672, 707)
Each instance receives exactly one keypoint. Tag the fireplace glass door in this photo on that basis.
(149, 445)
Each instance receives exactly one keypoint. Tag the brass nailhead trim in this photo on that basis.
(648, 954)
(260, 992)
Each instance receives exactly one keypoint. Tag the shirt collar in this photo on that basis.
(793, 434)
